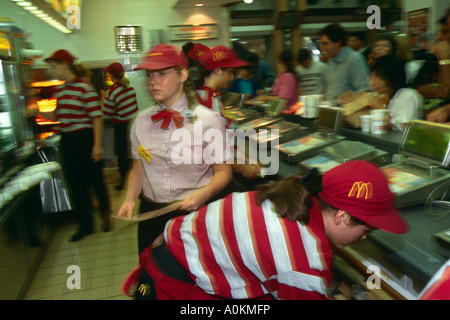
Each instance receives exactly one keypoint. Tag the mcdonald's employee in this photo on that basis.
(155, 176)
(273, 243)
(218, 64)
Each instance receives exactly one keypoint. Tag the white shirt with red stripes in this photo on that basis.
(234, 248)
(120, 103)
(77, 104)
(181, 158)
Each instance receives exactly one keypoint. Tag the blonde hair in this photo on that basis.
(123, 80)
(189, 90)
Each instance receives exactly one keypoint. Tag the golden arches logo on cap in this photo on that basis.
(219, 55)
(152, 54)
(361, 189)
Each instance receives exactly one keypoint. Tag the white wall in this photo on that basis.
(95, 41)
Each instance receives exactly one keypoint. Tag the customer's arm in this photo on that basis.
(440, 115)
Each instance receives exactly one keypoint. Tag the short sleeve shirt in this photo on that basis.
(181, 158)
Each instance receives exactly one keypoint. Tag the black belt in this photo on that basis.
(168, 265)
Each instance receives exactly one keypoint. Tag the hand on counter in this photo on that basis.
(440, 115)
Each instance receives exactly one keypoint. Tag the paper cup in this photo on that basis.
(365, 123)
(378, 121)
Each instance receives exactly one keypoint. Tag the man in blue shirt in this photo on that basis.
(347, 69)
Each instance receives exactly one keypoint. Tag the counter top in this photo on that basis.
(413, 251)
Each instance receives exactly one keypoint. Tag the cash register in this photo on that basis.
(266, 119)
(327, 124)
(422, 163)
(343, 151)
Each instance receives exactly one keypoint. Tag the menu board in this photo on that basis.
(322, 162)
(400, 180)
(302, 144)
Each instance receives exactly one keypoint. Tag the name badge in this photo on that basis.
(144, 154)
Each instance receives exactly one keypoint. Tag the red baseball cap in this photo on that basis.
(221, 57)
(164, 56)
(361, 189)
(115, 69)
(62, 55)
(197, 51)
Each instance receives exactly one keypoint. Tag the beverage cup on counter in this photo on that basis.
(301, 99)
(365, 123)
(311, 106)
(379, 123)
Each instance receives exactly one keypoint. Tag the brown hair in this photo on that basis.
(292, 197)
(76, 69)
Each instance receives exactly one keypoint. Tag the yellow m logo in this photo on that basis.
(361, 189)
(219, 55)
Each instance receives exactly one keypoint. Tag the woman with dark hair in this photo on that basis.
(384, 44)
(274, 243)
(285, 85)
(403, 104)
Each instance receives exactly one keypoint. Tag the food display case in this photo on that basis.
(15, 130)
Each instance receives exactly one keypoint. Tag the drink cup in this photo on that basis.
(378, 120)
(311, 106)
(365, 123)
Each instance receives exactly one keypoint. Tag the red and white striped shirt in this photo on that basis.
(120, 103)
(77, 104)
(234, 248)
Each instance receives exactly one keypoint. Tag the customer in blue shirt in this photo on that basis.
(347, 69)
(246, 83)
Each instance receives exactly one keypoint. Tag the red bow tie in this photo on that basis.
(168, 115)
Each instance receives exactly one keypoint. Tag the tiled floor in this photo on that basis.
(104, 259)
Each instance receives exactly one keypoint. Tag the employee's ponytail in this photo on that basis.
(292, 196)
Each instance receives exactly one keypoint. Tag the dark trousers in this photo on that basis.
(163, 260)
(82, 173)
(121, 137)
(149, 230)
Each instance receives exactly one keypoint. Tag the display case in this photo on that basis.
(15, 129)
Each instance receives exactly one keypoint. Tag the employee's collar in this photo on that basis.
(181, 106)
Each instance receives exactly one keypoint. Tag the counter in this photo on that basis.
(24, 230)
(409, 260)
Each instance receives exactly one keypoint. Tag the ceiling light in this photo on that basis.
(199, 4)
(248, 1)
(35, 7)
(24, 3)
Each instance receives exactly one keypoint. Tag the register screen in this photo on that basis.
(327, 119)
(427, 140)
